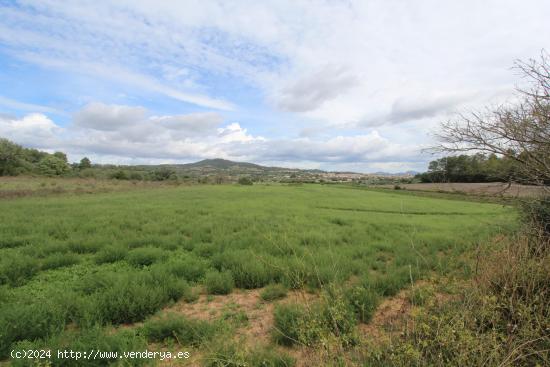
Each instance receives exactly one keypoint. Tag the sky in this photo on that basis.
(337, 85)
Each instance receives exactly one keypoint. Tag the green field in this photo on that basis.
(73, 266)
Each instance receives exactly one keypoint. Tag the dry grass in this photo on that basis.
(481, 189)
(24, 186)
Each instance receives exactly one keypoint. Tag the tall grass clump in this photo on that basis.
(219, 282)
(273, 292)
(15, 270)
(249, 271)
(190, 267)
(94, 338)
(184, 331)
(111, 254)
(327, 323)
(133, 297)
(363, 300)
(58, 260)
(24, 321)
(145, 256)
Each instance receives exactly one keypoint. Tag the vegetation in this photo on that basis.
(273, 292)
(121, 257)
(472, 168)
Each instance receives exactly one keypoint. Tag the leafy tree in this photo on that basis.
(85, 163)
(245, 181)
(9, 157)
(119, 175)
(162, 174)
(52, 165)
(61, 156)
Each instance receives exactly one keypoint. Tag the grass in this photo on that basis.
(87, 261)
(273, 292)
(186, 332)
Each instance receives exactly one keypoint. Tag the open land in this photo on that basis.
(208, 268)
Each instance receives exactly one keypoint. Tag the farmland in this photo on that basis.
(204, 268)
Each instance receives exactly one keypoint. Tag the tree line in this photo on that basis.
(473, 168)
(17, 160)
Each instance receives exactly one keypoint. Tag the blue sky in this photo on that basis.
(337, 85)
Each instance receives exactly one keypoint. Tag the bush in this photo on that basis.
(288, 321)
(133, 297)
(111, 254)
(190, 268)
(537, 213)
(145, 256)
(363, 301)
(273, 292)
(58, 260)
(392, 282)
(248, 272)
(20, 321)
(84, 247)
(185, 331)
(84, 341)
(269, 358)
(219, 282)
(419, 295)
(16, 270)
(245, 181)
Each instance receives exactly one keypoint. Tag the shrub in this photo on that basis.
(392, 282)
(185, 331)
(190, 268)
(145, 256)
(20, 321)
(16, 270)
(84, 341)
(288, 320)
(248, 272)
(419, 295)
(269, 358)
(219, 282)
(338, 318)
(245, 181)
(133, 297)
(111, 254)
(58, 260)
(273, 292)
(84, 247)
(363, 301)
(91, 283)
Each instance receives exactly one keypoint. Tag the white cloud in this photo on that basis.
(18, 105)
(325, 67)
(310, 92)
(129, 133)
(34, 130)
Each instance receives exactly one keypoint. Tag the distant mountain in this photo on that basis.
(406, 173)
(224, 164)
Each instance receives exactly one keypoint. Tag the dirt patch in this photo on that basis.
(390, 315)
(258, 312)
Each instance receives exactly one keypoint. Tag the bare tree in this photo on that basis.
(519, 131)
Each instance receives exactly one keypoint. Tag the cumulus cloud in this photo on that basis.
(198, 122)
(99, 116)
(33, 130)
(128, 132)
